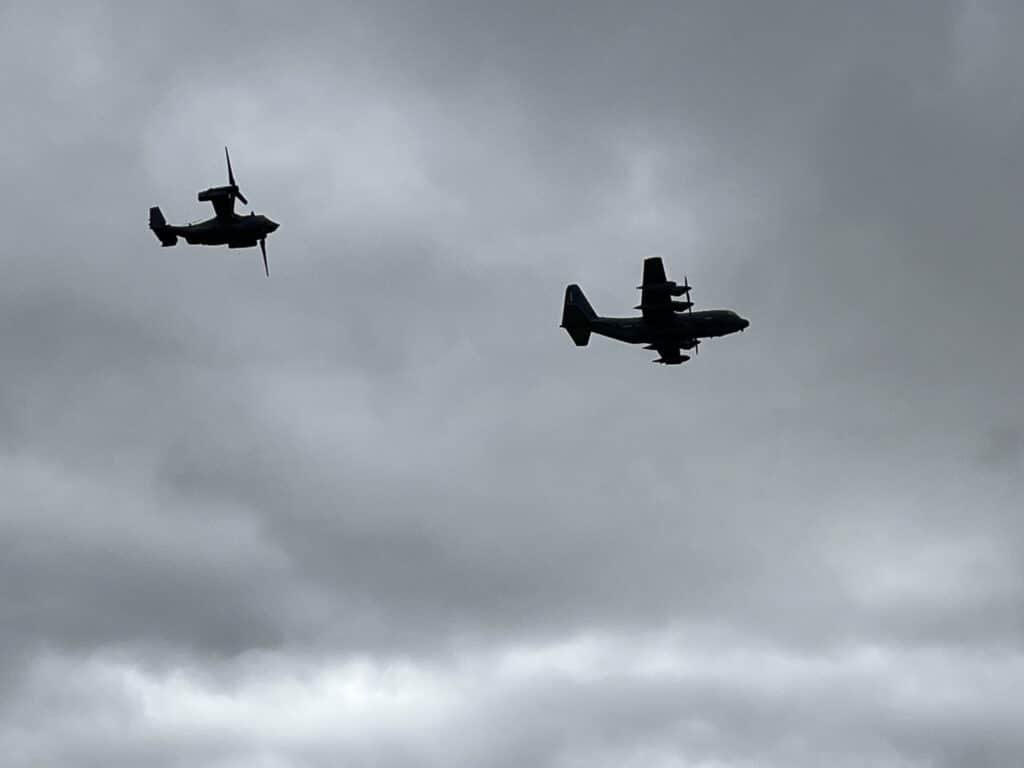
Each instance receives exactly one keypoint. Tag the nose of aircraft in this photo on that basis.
(744, 324)
(272, 225)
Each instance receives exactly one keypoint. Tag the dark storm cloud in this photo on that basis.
(390, 451)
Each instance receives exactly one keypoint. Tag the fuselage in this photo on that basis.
(236, 232)
(683, 327)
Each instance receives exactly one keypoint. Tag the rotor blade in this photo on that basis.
(263, 247)
(231, 179)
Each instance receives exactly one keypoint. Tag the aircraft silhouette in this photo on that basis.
(665, 325)
(225, 228)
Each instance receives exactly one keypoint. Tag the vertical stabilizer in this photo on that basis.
(577, 315)
(158, 224)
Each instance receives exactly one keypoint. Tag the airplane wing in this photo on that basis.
(654, 271)
(656, 303)
(670, 355)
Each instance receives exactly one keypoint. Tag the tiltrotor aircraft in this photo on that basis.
(225, 228)
(665, 325)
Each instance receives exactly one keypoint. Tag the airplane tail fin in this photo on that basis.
(577, 315)
(158, 224)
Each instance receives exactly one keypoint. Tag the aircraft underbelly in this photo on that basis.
(206, 240)
(206, 235)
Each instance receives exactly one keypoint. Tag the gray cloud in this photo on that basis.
(389, 454)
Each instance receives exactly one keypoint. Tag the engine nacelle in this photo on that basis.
(242, 244)
(213, 193)
(670, 287)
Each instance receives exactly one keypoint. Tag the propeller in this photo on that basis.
(231, 180)
(686, 290)
(263, 248)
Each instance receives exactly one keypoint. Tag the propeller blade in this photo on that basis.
(231, 179)
(263, 247)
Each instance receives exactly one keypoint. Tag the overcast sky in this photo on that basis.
(378, 510)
